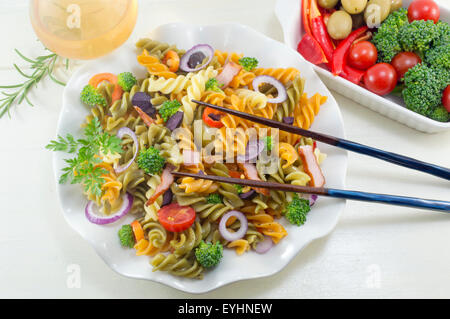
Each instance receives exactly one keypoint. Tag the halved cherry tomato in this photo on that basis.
(176, 218)
(404, 61)
(362, 55)
(210, 121)
(137, 230)
(234, 174)
(423, 10)
(381, 78)
(446, 98)
(172, 60)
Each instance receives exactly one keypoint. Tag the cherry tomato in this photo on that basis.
(362, 55)
(403, 61)
(446, 98)
(423, 10)
(380, 78)
(176, 218)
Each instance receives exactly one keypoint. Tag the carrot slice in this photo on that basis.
(111, 78)
(172, 60)
(137, 230)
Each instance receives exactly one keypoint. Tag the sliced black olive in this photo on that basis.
(288, 120)
(196, 59)
(142, 100)
(175, 121)
(167, 197)
(248, 195)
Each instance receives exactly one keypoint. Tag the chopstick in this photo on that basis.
(414, 202)
(394, 158)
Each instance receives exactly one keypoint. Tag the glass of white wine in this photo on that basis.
(83, 29)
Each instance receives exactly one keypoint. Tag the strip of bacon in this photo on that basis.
(166, 180)
(229, 71)
(250, 172)
(144, 116)
(311, 166)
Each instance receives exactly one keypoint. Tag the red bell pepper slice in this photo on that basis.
(352, 74)
(319, 30)
(209, 120)
(305, 16)
(341, 52)
(311, 50)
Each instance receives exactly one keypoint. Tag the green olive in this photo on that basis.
(358, 20)
(376, 11)
(354, 6)
(395, 5)
(339, 25)
(327, 4)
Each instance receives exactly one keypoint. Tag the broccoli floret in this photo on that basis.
(422, 91)
(268, 143)
(168, 109)
(418, 35)
(126, 236)
(150, 161)
(386, 39)
(90, 96)
(214, 199)
(126, 80)
(213, 85)
(443, 34)
(239, 188)
(248, 63)
(440, 114)
(208, 254)
(297, 210)
(438, 57)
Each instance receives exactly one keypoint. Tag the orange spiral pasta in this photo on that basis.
(288, 153)
(240, 245)
(202, 186)
(266, 225)
(111, 188)
(144, 247)
(223, 57)
(154, 66)
(213, 97)
(284, 75)
(243, 78)
(307, 109)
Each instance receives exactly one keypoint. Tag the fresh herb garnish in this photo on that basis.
(83, 168)
(248, 63)
(213, 85)
(41, 66)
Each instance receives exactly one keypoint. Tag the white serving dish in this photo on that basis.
(289, 15)
(229, 37)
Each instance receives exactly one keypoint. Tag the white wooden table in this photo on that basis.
(375, 251)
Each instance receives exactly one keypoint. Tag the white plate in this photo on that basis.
(228, 37)
(289, 15)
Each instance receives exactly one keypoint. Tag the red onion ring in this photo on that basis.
(264, 246)
(127, 131)
(225, 233)
(206, 49)
(252, 150)
(93, 216)
(312, 199)
(282, 94)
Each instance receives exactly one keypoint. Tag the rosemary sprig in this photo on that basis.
(43, 65)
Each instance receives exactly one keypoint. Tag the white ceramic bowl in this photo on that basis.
(289, 15)
(229, 37)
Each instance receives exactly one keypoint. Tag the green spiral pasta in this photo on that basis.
(156, 48)
(294, 94)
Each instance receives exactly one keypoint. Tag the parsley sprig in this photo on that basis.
(83, 168)
(42, 66)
